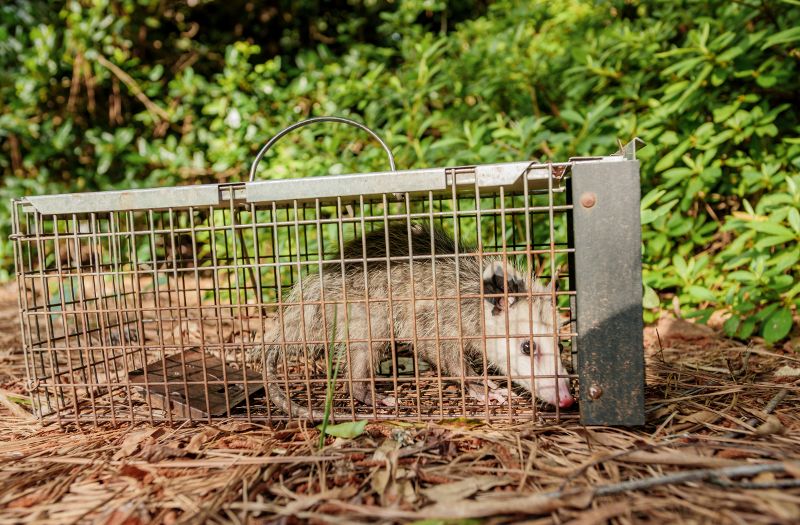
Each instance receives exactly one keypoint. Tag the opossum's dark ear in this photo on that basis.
(494, 280)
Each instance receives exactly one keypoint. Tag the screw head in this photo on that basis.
(595, 392)
(588, 200)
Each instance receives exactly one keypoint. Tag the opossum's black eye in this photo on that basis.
(526, 348)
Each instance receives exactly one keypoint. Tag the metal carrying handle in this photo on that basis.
(314, 120)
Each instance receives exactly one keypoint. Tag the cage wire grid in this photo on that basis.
(107, 297)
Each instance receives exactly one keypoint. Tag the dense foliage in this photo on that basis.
(139, 93)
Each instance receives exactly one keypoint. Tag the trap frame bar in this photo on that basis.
(119, 290)
(608, 284)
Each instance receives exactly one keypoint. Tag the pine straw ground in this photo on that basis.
(721, 445)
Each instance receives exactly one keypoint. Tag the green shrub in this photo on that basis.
(99, 95)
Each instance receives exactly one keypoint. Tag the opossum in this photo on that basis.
(423, 320)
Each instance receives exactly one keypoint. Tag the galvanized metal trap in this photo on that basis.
(164, 304)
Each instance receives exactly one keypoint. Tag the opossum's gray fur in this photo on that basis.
(396, 318)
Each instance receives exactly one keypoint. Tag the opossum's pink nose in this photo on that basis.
(566, 402)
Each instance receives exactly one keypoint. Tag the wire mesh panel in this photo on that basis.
(414, 295)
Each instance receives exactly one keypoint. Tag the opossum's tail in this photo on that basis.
(278, 396)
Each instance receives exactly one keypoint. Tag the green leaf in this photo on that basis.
(347, 430)
(766, 312)
(651, 198)
(742, 276)
(680, 266)
(649, 216)
(782, 261)
(794, 219)
(668, 160)
(731, 325)
(774, 241)
(702, 294)
(771, 228)
(650, 299)
(777, 326)
(767, 81)
(747, 327)
(784, 37)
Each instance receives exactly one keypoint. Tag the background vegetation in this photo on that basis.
(140, 93)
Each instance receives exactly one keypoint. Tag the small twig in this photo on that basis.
(692, 475)
(779, 484)
(331, 383)
(660, 346)
(753, 421)
(75, 84)
(151, 106)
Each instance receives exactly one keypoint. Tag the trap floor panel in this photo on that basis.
(200, 387)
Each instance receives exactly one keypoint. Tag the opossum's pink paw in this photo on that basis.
(499, 394)
(496, 395)
(388, 401)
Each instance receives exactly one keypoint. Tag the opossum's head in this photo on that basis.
(517, 348)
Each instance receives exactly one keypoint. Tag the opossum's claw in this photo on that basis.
(498, 395)
(363, 394)
(388, 401)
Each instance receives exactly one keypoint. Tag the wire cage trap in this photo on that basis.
(503, 292)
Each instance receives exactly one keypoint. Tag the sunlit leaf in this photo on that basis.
(777, 326)
(348, 429)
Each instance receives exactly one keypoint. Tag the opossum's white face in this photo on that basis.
(514, 348)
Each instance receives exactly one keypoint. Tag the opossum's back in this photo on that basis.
(400, 281)
(424, 241)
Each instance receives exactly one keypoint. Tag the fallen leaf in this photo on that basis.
(133, 471)
(404, 491)
(771, 426)
(787, 371)
(702, 417)
(200, 439)
(349, 429)
(458, 490)
(383, 452)
(133, 441)
(380, 480)
(155, 452)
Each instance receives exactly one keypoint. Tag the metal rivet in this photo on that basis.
(588, 200)
(595, 392)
